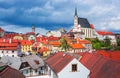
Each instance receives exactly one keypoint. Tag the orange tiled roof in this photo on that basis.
(43, 49)
(83, 41)
(77, 46)
(26, 42)
(54, 43)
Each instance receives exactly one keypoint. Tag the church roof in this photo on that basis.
(84, 22)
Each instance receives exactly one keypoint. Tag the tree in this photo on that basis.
(118, 41)
(96, 44)
(107, 42)
(64, 44)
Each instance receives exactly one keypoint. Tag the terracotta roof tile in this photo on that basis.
(99, 66)
(9, 72)
(77, 46)
(58, 61)
(104, 32)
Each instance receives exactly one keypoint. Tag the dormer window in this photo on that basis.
(74, 67)
(36, 62)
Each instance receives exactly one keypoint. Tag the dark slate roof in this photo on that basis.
(83, 22)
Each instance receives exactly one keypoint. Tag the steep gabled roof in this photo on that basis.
(58, 61)
(100, 67)
(9, 72)
(84, 22)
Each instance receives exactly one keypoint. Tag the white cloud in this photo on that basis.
(100, 10)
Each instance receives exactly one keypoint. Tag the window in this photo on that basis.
(74, 67)
(12, 55)
(2, 51)
(12, 51)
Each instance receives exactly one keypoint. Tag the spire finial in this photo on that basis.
(75, 11)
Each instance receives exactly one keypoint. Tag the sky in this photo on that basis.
(19, 15)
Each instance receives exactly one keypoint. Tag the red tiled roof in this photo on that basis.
(30, 33)
(26, 42)
(51, 38)
(99, 66)
(9, 72)
(104, 32)
(58, 61)
(9, 48)
(77, 46)
(114, 55)
(43, 49)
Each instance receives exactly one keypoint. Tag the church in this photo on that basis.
(82, 27)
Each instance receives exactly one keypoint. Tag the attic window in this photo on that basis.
(74, 67)
(36, 62)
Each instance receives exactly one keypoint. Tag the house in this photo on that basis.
(13, 62)
(9, 47)
(8, 72)
(100, 66)
(62, 65)
(43, 51)
(31, 35)
(32, 65)
(106, 34)
(26, 46)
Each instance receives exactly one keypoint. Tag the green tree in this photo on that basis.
(64, 44)
(118, 41)
(107, 42)
(96, 44)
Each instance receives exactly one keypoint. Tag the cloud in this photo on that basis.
(48, 14)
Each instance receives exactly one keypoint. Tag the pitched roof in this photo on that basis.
(83, 22)
(77, 46)
(104, 33)
(43, 49)
(58, 61)
(56, 43)
(11, 73)
(114, 55)
(31, 59)
(100, 67)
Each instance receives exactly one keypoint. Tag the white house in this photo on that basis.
(9, 47)
(62, 65)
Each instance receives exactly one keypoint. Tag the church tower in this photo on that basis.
(75, 19)
(33, 28)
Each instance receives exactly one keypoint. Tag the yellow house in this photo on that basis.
(26, 46)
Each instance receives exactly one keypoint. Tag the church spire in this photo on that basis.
(33, 28)
(75, 11)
